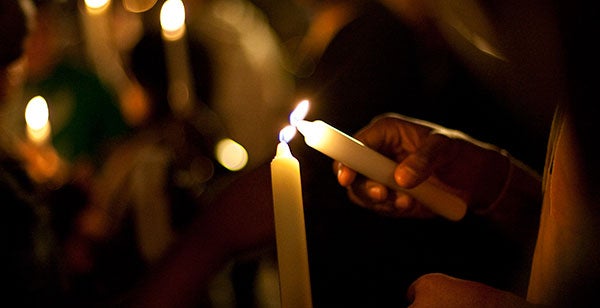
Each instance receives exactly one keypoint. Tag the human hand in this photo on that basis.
(439, 290)
(448, 159)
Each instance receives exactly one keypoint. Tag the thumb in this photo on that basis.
(421, 164)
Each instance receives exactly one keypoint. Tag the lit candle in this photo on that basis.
(354, 154)
(290, 233)
(37, 120)
(42, 161)
(101, 47)
(181, 91)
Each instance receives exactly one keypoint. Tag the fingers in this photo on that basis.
(419, 151)
(378, 198)
(440, 290)
(345, 175)
(421, 164)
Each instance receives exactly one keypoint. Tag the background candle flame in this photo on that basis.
(37, 120)
(231, 154)
(299, 113)
(96, 6)
(172, 19)
(287, 133)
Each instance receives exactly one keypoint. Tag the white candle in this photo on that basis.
(181, 90)
(37, 120)
(354, 154)
(290, 233)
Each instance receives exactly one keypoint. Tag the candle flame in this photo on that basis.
(96, 6)
(37, 119)
(287, 133)
(36, 113)
(299, 113)
(231, 154)
(172, 19)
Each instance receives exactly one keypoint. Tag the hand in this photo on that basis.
(449, 159)
(439, 290)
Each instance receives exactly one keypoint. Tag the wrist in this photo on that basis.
(494, 179)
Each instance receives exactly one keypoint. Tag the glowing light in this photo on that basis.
(96, 6)
(36, 117)
(231, 154)
(172, 19)
(299, 112)
(287, 133)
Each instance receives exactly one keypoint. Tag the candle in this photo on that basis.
(354, 154)
(181, 92)
(37, 120)
(290, 233)
(42, 161)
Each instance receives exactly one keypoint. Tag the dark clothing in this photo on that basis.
(30, 263)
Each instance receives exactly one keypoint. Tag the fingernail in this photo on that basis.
(403, 175)
(376, 193)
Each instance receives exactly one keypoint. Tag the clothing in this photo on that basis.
(567, 252)
(30, 256)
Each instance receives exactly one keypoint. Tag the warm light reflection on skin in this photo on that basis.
(36, 117)
(97, 6)
(172, 19)
(231, 154)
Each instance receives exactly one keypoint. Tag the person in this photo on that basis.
(237, 92)
(253, 90)
(33, 264)
(84, 120)
(358, 60)
(544, 44)
(84, 111)
(30, 260)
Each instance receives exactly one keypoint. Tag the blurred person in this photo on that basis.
(253, 91)
(153, 183)
(249, 91)
(84, 117)
(33, 265)
(84, 112)
(31, 261)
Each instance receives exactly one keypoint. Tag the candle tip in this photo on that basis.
(287, 133)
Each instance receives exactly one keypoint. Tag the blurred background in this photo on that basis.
(130, 103)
